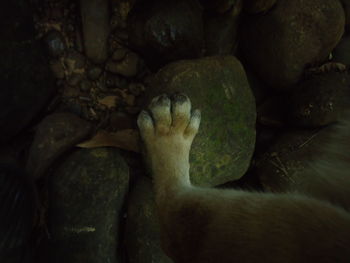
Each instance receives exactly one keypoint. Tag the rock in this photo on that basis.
(346, 6)
(85, 85)
(57, 69)
(95, 15)
(27, 83)
(283, 165)
(55, 43)
(218, 86)
(219, 6)
(166, 30)
(292, 35)
(258, 6)
(75, 64)
(142, 233)
(88, 192)
(128, 67)
(319, 100)
(55, 135)
(121, 121)
(136, 88)
(119, 54)
(220, 31)
(94, 73)
(341, 53)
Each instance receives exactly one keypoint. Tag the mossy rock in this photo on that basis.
(218, 86)
(87, 195)
(142, 233)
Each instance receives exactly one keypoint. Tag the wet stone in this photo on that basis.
(55, 43)
(57, 69)
(56, 134)
(85, 85)
(87, 194)
(142, 233)
(223, 147)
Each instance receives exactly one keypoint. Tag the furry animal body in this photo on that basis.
(308, 224)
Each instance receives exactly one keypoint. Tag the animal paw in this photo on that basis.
(169, 125)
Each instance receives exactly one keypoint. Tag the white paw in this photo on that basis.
(169, 124)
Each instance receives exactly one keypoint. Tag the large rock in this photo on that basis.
(95, 15)
(346, 5)
(283, 166)
(218, 86)
(142, 234)
(319, 100)
(221, 31)
(87, 195)
(26, 82)
(55, 135)
(166, 30)
(295, 33)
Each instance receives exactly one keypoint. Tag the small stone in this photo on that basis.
(57, 69)
(85, 85)
(70, 91)
(136, 88)
(130, 100)
(121, 121)
(127, 68)
(119, 54)
(75, 62)
(74, 79)
(55, 43)
(94, 73)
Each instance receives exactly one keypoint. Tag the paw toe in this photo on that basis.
(160, 109)
(181, 110)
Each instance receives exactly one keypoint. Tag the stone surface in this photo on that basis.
(284, 164)
(341, 53)
(128, 67)
(346, 5)
(56, 134)
(220, 31)
(258, 6)
(95, 15)
(55, 43)
(142, 236)
(219, 6)
(26, 80)
(87, 195)
(166, 30)
(218, 86)
(292, 35)
(319, 100)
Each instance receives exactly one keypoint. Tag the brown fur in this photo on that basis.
(211, 225)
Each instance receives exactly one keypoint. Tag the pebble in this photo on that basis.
(85, 85)
(119, 54)
(127, 68)
(94, 73)
(57, 69)
(55, 43)
(136, 88)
